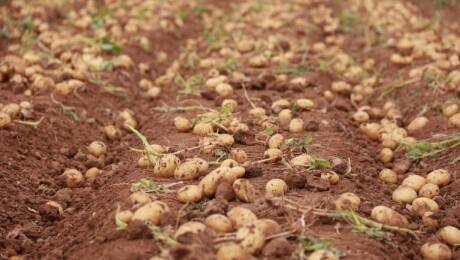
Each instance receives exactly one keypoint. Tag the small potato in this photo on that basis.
(304, 104)
(219, 223)
(203, 129)
(188, 170)
(280, 104)
(449, 110)
(224, 90)
(143, 162)
(417, 124)
(347, 201)
(296, 125)
(238, 155)
(414, 181)
(275, 141)
(97, 148)
(276, 187)
(371, 130)
(438, 177)
(423, 205)
(244, 190)
(211, 180)
(429, 220)
(404, 194)
(435, 251)
(235, 173)
(386, 155)
(166, 165)
(323, 254)
(361, 116)
(139, 197)
(92, 173)
(232, 251)
(455, 120)
(450, 235)
(332, 177)
(125, 216)
(388, 176)
(302, 160)
(11, 109)
(111, 132)
(225, 140)
(285, 115)
(194, 227)
(429, 190)
(229, 103)
(189, 194)
(240, 216)
(273, 153)
(73, 178)
(257, 112)
(56, 205)
(388, 216)
(5, 120)
(154, 92)
(152, 211)
(268, 226)
(251, 238)
(182, 124)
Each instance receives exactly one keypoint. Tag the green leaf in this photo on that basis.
(148, 186)
(4, 33)
(108, 46)
(120, 224)
(200, 9)
(312, 244)
(267, 132)
(26, 23)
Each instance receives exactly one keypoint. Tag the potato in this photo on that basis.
(244, 190)
(449, 110)
(347, 201)
(429, 190)
(211, 180)
(182, 124)
(240, 216)
(276, 187)
(56, 205)
(429, 220)
(166, 165)
(388, 175)
(285, 115)
(332, 177)
(455, 120)
(97, 148)
(404, 194)
(139, 197)
(224, 90)
(143, 162)
(111, 132)
(194, 227)
(296, 125)
(235, 173)
(92, 173)
(361, 116)
(273, 153)
(435, 251)
(414, 181)
(238, 155)
(423, 205)
(125, 216)
(438, 177)
(203, 165)
(232, 251)
(5, 120)
(188, 170)
(229, 103)
(323, 254)
(11, 109)
(189, 194)
(257, 112)
(268, 226)
(304, 104)
(152, 211)
(388, 216)
(302, 160)
(219, 223)
(73, 178)
(280, 104)
(225, 140)
(450, 235)
(250, 238)
(203, 129)
(275, 141)
(386, 155)
(371, 130)
(230, 163)
(417, 124)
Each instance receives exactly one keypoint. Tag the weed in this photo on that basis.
(310, 244)
(284, 68)
(266, 132)
(301, 144)
(26, 24)
(347, 21)
(148, 186)
(4, 33)
(69, 111)
(107, 86)
(107, 45)
(426, 149)
(160, 235)
(118, 222)
(229, 64)
(191, 84)
(148, 149)
(200, 9)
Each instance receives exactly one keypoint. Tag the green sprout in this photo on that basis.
(148, 186)
(426, 149)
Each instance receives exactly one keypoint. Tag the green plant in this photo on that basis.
(284, 68)
(347, 21)
(301, 144)
(107, 45)
(426, 149)
(310, 244)
(69, 111)
(191, 84)
(200, 9)
(160, 235)
(118, 222)
(149, 186)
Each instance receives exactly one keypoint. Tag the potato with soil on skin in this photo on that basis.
(5, 120)
(188, 170)
(234, 173)
(347, 201)
(388, 216)
(97, 148)
(386, 155)
(273, 153)
(322, 254)
(429, 190)
(422, 205)
(251, 238)
(189, 194)
(404, 194)
(361, 116)
(296, 125)
(218, 223)
(276, 187)
(285, 115)
(232, 251)
(331, 177)
(450, 235)
(73, 178)
(371, 130)
(182, 124)
(455, 120)
(111, 132)
(166, 165)
(92, 173)
(439, 177)
(268, 226)
(56, 205)
(257, 112)
(388, 176)
(302, 160)
(244, 190)
(140, 197)
(152, 211)
(125, 216)
(240, 216)
(238, 155)
(203, 129)
(225, 140)
(275, 141)
(435, 251)
(194, 227)
(414, 181)
(211, 180)
(143, 162)
(304, 104)
(224, 90)
(417, 124)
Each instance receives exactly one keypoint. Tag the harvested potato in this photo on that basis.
(225, 140)
(273, 153)
(361, 116)
(285, 115)
(417, 124)
(5, 120)
(219, 223)
(347, 201)
(230, 163)
(143, 162)
(404, 194)
(268, 226)
(276, 187)
(244, 190)
(450, 235)
(188, 170)
(304, 104)
(429, 190)
(250, 238)
(238, 155)
(140, 197)
(429, 220)
(152, 211)
(449, 110)
(203, 129)
(111, 132)
(97, 148)
(240, 216)
(371, 130)
(323, 254)
(423, 205)
(455, 120)
(438, 177)
(257, 112)
(182, 124)
(73, 178)
(232, 251)
(125, 216)
(435, 251)
(224, 90)
(194, 227)
(302, 160)
(414, 181)
(166, 165)
(56, 205)
(235, 173)
(332, 177)
(189, 194)
(388, 216)
(386, 155)
(296, 125)
(211, 180)
(92, 173)
(388, 175)
(275, 141)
